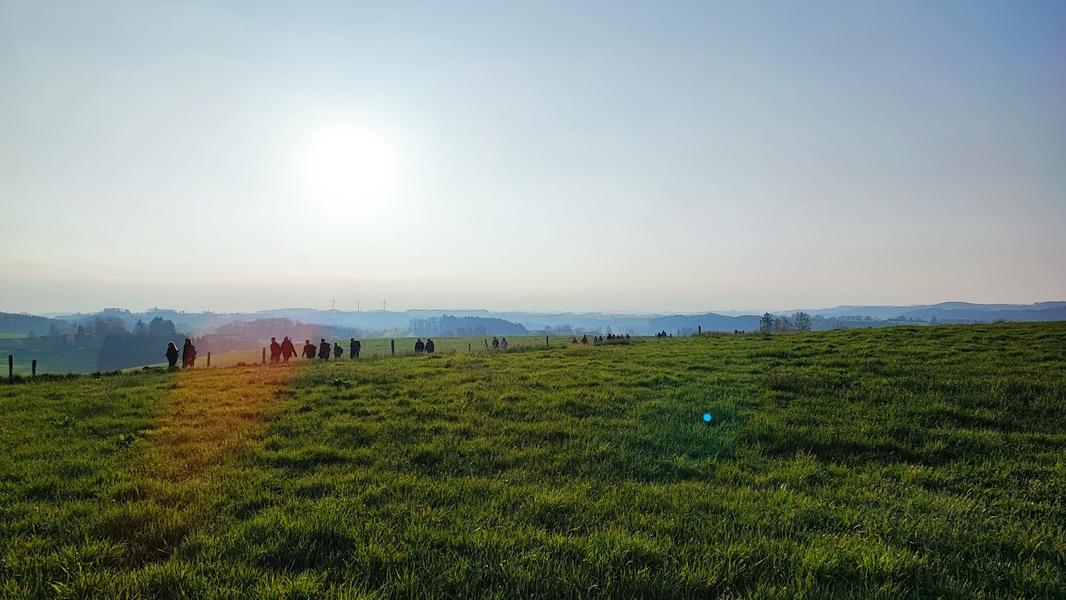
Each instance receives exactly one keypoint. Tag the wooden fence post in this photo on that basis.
(546, 344)
(393, 347)
(469, 347)
(11, 367)
(264, 356)
(33, 368)
(699, 330)
(209, 359)
(486, 343)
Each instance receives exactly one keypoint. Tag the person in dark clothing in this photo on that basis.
(338, 352)
(585, 339)
(419, 346)
(309, 350)
(356, 347)
(172, 355)
(495, 342)
(287, 349)
(323, 350)
(188, 354)
(429, 346)
(275, 350)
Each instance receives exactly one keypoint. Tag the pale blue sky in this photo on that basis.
(568, 156)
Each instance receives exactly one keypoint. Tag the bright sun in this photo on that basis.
(349, 163)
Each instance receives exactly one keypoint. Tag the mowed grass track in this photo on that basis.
(903, 462)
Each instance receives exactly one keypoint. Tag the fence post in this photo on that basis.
(393, 347)
(33, 368)
(699, 330)
(486, 343)
(264, 356)
(209, 359)
(546, 344)
(469, 347)
(11, 367)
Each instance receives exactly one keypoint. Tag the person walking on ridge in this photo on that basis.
(309, 350)
(429, 346)
(419, 346)
(172, 355)
(338, 352)
(323, 350)
(275, 351)
(287, 349)
(188, 354)
(356, 347)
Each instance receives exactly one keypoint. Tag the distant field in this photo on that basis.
(66, 360)
(12, 336)
(909, 462)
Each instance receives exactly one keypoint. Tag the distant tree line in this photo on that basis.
(145, 345)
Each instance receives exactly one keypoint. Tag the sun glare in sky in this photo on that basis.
(559, 156)
(349, 166)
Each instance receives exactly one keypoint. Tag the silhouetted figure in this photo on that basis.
(495, 343)
(172, 355)
(338, 352)
(309, 350)
(275, 350)
(323, 350)
(573, 342)
(585, 339)
(287, 349)
(627, 337)
(503, 343)
(430, 346)
(188, 354)
(356, 347)
(419, 346)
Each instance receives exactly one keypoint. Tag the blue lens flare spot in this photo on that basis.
(707, 417)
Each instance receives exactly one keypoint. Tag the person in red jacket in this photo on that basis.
(287, 349)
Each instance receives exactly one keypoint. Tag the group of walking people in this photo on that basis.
(285, 350)
(188, 354)
(324, 350)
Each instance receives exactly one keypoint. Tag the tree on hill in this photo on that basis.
(766, 323)
(801, 321)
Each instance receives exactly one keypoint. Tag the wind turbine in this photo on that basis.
(382, 305)
(334, 301)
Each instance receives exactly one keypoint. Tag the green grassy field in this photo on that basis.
(889, 463)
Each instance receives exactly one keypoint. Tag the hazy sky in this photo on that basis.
(561, 156)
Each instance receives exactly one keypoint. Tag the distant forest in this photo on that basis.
(448, 325)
